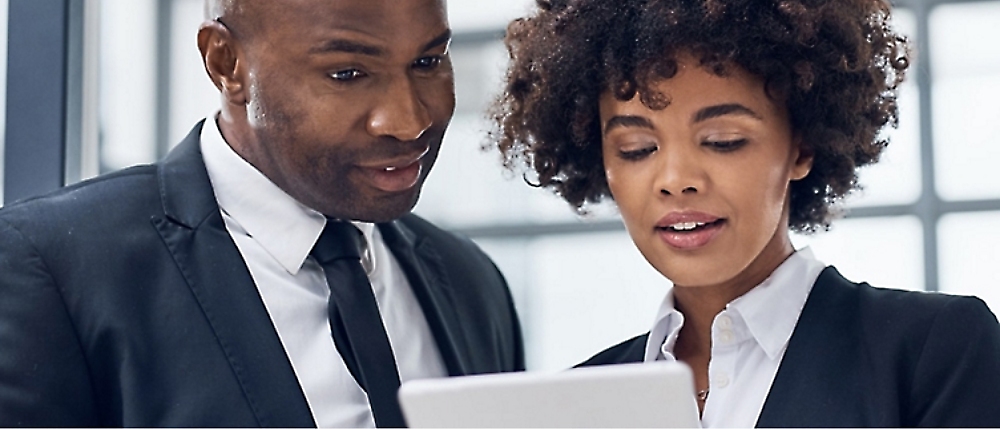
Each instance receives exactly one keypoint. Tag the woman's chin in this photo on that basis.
(696, 278)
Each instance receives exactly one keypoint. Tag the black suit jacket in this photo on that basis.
(867, 357)
(124, 302)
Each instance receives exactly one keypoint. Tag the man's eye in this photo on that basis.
(347, 75)
(638, 154)
(725, 145)
(428, 62)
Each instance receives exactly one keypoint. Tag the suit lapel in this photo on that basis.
(429, 281)
(195, 234)
(820, 373)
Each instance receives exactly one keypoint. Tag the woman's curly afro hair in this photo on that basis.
(836, 64)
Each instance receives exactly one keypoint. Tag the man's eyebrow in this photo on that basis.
(352, 47)
(626, 121)
(441, 39)
(722, 110)
(347, 46)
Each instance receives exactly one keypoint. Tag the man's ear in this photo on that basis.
(223, 60)
(803, 160)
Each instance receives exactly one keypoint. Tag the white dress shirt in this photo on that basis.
(749, 339)
(275, 234)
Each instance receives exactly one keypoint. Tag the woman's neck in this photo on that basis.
(700, 304)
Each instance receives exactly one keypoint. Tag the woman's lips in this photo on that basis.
(693, 238)
(689, 229)
(394, 179)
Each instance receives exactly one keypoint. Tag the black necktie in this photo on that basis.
(357, 327)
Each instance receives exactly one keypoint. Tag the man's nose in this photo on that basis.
(400, 113)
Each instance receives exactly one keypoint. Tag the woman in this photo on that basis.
(717, 127)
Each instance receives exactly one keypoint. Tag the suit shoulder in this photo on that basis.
(886, 303)
(918, 304)
(906, 321)
(947, 348)
(102, 200)
(98, 190)
(629, 351)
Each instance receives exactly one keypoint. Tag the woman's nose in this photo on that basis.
(680, 173)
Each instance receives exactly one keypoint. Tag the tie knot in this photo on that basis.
(339, 240)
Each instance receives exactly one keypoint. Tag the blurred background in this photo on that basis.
(927, 219)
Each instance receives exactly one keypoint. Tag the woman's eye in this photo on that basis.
(637, 154)
(347, 75)
(725, 145)
(428, 62)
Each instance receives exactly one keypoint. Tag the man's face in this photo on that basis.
(347, 101)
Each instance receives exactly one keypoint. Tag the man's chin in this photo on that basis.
(384, 208)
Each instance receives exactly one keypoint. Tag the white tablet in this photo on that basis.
(632, 395)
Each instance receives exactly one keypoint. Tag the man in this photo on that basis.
(194, 292)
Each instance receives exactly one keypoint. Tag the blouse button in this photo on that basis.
(720, 380)
(726, 337)
(724, 322)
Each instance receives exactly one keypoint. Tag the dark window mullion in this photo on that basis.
(40, 97)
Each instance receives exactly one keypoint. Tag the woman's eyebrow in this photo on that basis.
(722, 110)
(625, 121)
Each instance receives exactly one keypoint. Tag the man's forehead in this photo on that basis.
(215, 9)
(325, 26)
(396, 20)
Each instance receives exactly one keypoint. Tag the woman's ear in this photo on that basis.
(221, 56)
(802, 160)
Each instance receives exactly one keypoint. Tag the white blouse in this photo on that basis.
(749, 339)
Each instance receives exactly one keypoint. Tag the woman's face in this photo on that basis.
(703, 184)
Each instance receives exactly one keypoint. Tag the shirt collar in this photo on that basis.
(770, 310)
(284, 227)
(664, 333)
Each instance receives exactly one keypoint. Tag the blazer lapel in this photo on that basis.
(429, 280)
(195, 233)
(822, 366)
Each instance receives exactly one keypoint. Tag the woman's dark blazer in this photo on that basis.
(864, 356)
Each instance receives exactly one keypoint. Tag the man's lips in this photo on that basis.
(689, 229)
(395, 175)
